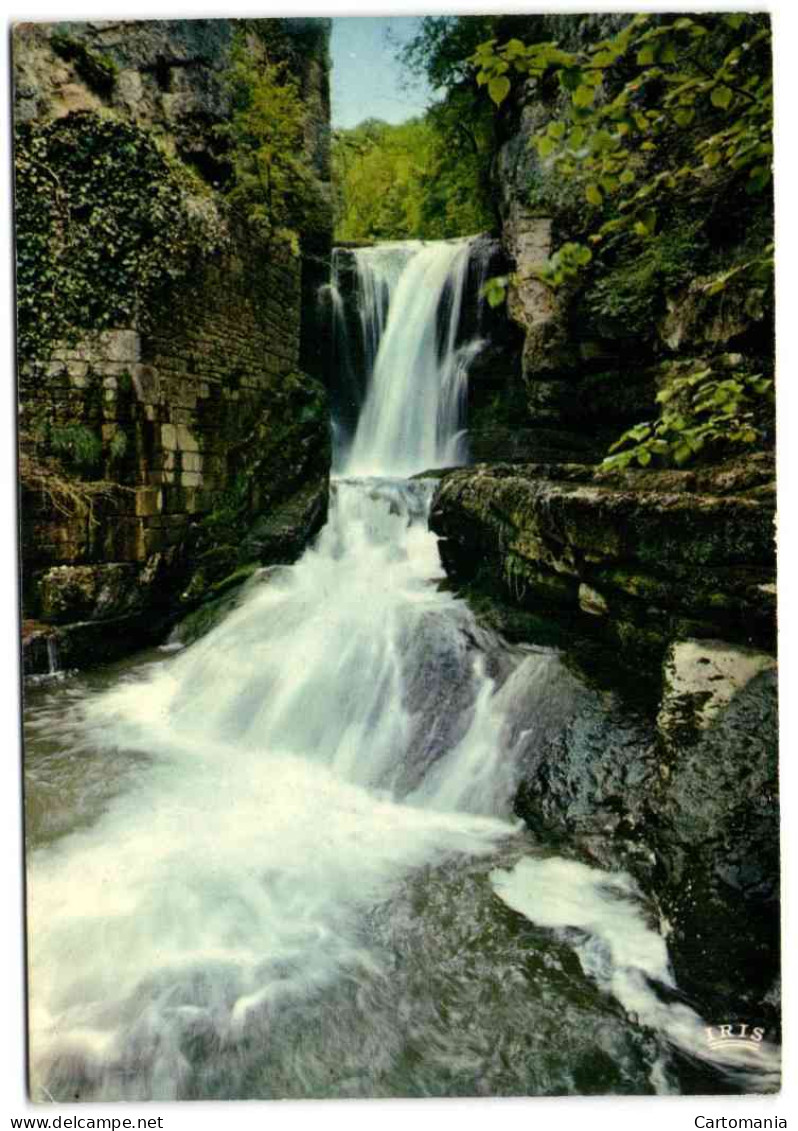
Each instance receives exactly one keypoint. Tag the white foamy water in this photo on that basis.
(289, 791)
(414, 415)
(624, 951)
(344, 743)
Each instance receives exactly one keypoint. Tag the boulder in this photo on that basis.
(715, 823)
(684, 796)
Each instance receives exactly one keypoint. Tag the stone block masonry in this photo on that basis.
(201, 405)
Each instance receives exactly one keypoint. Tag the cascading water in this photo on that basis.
(414, 414)
(275, 874)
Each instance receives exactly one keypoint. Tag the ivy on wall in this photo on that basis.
(103, 218)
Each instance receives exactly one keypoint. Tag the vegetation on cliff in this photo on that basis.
(428, 178)
(105, 217)
(650, 149)
(661, 125)
(265, 137)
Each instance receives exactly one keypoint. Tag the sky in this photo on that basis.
(367, 77)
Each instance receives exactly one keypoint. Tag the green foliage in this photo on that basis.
(442, 49)
(656, 125)
(77, 446)
(428, 178)
(632, 293)
(702, 412)
(495, 290)
(566, 263)
(271, 173)
(417, 180)
(98, 71)
(103, 218)
(224, 524)
(118, 445)
(666, 109)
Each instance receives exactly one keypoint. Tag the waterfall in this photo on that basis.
(278, 878)
(52, 655)
(288, 787)
(410, 297)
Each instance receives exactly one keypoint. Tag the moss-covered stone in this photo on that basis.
(662, 553)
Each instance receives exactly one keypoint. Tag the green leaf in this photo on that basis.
(681, 454)
(556, 130)
(570, 78)
(721, 96)
(495, 290)
(513, 48)
(594, 195)
(545, 146)
(583, 96)
(601, 141)
(647, 55)
(499, 88)
(758, 178)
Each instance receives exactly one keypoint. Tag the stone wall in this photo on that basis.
(203, 397)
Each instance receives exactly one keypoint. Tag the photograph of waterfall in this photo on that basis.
(397, 505)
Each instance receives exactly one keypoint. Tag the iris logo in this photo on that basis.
(726, 1038)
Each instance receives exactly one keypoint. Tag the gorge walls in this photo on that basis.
(610, 348)
(658, 581)
(192, 413)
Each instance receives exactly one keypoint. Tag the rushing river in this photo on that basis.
(283, 861)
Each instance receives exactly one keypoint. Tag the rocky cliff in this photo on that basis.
(184, 408)
(658, 583)
(646, 554)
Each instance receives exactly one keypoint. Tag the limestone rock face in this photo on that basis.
(716, 818)
(701, 678)
(644, 555)
(690, 810)
(592, 347)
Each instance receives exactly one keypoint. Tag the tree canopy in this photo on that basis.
(265, 136)
(418, 180)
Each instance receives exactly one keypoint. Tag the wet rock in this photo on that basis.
(715, 826)
(701, 677)
(223, 597)
(279, 537)
(89, 592)
(525, 445)
(686, 798)
(671, 553)
(588, 764)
